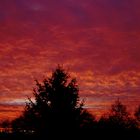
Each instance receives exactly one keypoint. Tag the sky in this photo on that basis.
(98, 41)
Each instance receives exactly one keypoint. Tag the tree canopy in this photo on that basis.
(57, 110)
(118, 118)
(57, 106)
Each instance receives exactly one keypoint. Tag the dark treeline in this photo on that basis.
(58, 112)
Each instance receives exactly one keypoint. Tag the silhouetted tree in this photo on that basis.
(57, 107)
(118, 114)
(137, 114)
(118, 118)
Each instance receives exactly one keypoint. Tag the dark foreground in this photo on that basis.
(84, 134)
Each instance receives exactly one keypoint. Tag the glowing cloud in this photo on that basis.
(97, 40)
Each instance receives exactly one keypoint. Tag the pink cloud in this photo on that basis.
(97, 40)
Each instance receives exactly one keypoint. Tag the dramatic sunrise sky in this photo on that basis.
(97, 40)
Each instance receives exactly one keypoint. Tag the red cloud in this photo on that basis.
(98, 40)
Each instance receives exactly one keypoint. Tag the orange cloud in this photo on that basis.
(97, 40)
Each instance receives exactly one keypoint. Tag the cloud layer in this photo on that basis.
(97, 40)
